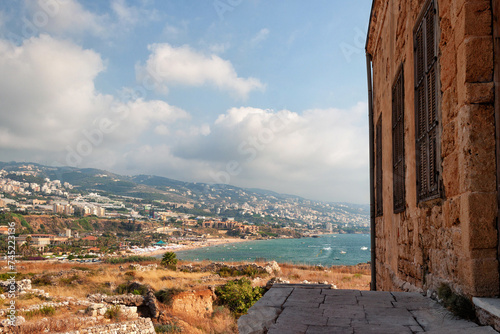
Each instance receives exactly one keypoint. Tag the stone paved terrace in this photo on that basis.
(314, 309)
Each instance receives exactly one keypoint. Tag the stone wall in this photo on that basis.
(139, 326)
(452, 239)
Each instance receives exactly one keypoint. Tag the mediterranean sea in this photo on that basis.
(327, 250)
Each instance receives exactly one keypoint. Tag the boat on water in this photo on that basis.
(364, 248)
(342, 252)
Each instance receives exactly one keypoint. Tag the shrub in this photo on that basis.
(459, 305)
(33, 258)
(134, 288)
(238, 295)
(6, 276)
(43, 280)
(169, 328)
(114, 313)
(134, 258)
(69, 280)
(249, 271)
(45, 311)
(165, 295)
(130, 274)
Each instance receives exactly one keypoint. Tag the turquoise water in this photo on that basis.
(327, 250)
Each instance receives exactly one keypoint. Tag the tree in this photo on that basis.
(169, 259)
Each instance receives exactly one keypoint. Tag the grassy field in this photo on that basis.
(62, 280)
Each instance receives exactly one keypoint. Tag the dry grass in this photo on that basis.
(220, 322)
(344, 277)
(94, 278)
(27, 300)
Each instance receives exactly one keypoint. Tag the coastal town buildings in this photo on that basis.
(434, 69)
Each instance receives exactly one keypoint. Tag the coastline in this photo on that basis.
(197, 245)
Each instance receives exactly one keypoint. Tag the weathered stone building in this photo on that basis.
(434, 114)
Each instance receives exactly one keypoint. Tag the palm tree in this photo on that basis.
(169, 259)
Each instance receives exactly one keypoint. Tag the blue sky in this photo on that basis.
(266, 94)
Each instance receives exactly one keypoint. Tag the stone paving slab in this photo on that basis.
(316, 309)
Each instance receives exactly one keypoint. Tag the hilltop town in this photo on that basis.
(36, 189)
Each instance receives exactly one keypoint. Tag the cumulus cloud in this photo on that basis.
(50, 105)
(319, 153)
(46, 86)
(184, 66)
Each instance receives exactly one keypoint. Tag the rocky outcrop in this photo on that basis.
(138, 267)
(147, 301)
(152, 303)
(19, 286)
(275, 280)
(198, 303)
(269, 268)
(127, 300)
(98, 309)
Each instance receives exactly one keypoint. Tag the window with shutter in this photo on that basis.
(378, 165)
(426, 112)
(398, 143)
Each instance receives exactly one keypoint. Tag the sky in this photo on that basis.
(252, 93)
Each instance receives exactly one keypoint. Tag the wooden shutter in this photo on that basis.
(398, 143)
(426, 113)
(378, 165)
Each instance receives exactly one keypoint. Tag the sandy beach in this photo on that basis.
(195, 245)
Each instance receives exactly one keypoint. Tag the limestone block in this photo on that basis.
(478, 217)
(476, 138)
(474, 61)
(485, 277)
(448, 137)
(474, 20)
(449, 102)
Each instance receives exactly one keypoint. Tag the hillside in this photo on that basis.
(256, 205)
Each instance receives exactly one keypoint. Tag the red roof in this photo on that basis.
(90, 238)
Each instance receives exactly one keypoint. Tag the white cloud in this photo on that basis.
(50, 107)
(219, 48)
(260, 37)
(319, 153)
(183, 66)
(46, 87)
(161, 130)
(70, 18)
(173, 32)
(65, 17)
(129, 16)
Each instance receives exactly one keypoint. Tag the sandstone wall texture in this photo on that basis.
(194, 302)
(453, 239)
(139, 326)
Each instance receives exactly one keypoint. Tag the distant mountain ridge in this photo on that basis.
(217, 198)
